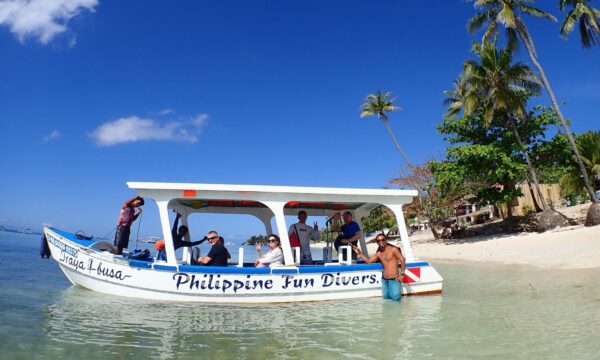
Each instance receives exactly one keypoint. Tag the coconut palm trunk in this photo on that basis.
(384, 119)
(565, 127)
(532, 172)
(532, 193)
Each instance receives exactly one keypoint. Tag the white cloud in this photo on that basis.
(166, 112)
(41, 19)
(133, 129)
(55, 134)
(199, 120)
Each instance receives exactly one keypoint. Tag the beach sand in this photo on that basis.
(573, 247)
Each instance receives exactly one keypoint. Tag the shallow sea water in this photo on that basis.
(491, 311)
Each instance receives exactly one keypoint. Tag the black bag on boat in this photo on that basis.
(143, 255)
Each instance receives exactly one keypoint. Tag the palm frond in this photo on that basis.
(568, 23)
(533, 11)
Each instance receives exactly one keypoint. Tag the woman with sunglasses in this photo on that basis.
(274, 257)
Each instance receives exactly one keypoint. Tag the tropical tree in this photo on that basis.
(502, 87)
(507, 13)
(431, 205)
(456, 98)
(379, 219)
(587, 19)
(482, 159)
(379, 105)
(588, 145)
(256, 239)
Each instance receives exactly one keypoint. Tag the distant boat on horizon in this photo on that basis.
(27, 231)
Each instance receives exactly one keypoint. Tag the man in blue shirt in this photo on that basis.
(350, 232)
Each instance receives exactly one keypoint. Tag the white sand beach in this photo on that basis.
(573, 247)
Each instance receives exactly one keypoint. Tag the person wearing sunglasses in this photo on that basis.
(272, 258)
(389, 256)
(218, 254)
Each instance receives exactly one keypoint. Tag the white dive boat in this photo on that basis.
(87, 263)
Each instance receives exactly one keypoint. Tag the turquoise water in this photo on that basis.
(497, 312)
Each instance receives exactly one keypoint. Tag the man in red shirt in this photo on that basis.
(126, 218)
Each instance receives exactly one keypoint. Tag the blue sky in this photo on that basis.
(96, 93)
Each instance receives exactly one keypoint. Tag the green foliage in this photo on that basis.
(430, 204)
(261, 239)
(379, 219)
(481, 158)
(553, 159)
(587, 19)
(588, 145)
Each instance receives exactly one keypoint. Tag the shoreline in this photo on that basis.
(573, 247)
(567, 248)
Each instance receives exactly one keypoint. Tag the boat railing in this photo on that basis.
(295, 253)
(240, 257)
(345, 255)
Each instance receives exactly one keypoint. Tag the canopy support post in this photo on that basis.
(406, 248)
(358, 215)
(277, 209)
(163, 211)
(186, 249)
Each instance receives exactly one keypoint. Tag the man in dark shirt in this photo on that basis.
(178, 240)
(218, 254)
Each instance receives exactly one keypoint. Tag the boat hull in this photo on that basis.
(103, 272)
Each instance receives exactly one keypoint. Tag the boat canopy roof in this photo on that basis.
(240, 199)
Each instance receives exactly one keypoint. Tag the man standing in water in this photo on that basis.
(126, 218)
(389, 256)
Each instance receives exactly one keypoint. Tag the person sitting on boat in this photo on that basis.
(126, 218)
(304, 233)
(389, 256)
(350, 231)
(218, 254)
(178, 241)
(222, 242)
(274, 257)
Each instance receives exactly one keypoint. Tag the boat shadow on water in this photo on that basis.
(115, 325)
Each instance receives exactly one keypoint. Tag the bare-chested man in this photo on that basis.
(389, 256)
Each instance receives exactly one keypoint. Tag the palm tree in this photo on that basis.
(502, 89)
(587, 18)
(588, 145)
(507, 13)
(378, 105)
(456, 98)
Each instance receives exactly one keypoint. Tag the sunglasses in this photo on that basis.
(380, 240)
(213, 238)
(272, 240)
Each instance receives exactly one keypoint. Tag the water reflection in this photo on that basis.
(120, 326)
(486, 311)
